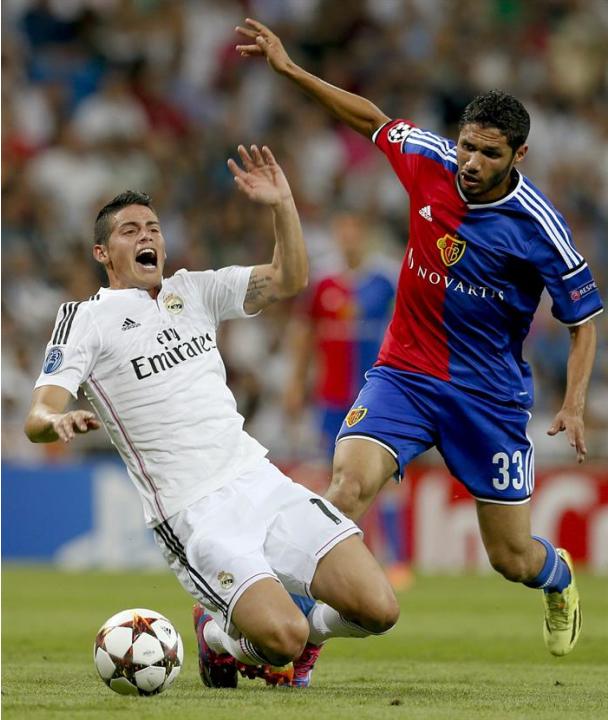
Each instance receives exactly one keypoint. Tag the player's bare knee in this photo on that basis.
(381, 618)
(377, 613)
(385, 611)
(347, 491)
(391, 611)
(286, 640)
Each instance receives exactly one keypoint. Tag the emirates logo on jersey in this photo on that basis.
(451, 248)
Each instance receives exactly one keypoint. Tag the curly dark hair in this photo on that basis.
(103, 221)
(499, 110)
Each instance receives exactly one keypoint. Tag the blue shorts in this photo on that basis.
(484, 443)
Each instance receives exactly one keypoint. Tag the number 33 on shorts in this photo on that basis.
(514, 471)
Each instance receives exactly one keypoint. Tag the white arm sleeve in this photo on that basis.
(221, 292)
(74, 346)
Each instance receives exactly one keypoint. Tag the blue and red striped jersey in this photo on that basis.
(473, 274)
(350, 312)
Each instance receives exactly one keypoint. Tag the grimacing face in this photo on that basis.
(485, 160)
(134, 256)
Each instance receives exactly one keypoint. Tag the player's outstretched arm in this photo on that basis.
(356, 111)
(262, 180)
(580, 364)
(47, 421)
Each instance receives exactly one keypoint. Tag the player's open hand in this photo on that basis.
(264, 44)
(574, 427)
(67, 425)
(261, 177)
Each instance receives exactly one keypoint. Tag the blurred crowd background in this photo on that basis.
(103, 95)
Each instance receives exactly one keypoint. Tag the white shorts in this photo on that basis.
(260, 525)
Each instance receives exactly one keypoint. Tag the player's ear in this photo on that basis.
(520, 153)
(100, 253)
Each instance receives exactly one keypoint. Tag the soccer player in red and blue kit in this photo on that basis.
(484, 242)
(338, 328)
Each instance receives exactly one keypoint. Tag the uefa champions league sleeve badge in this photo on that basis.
(399, 132)
(53, 360)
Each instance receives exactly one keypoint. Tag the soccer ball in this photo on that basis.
(138, 652)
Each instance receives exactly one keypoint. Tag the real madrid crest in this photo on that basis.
(451, 248)
(173, 303)
(356, 415)
(226, 579)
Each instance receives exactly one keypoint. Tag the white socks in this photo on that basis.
(241, 649)
(325, 623)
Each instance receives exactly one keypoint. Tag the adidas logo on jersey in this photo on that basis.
(426, 213)
(129, 324)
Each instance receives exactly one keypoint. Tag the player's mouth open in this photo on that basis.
(469, 180)
(147, 258)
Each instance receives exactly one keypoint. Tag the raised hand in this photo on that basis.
(265, 43)
(261, 177)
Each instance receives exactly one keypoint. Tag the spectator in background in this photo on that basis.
(111, 112)
(71, 176)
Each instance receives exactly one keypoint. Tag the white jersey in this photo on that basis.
(153, 373)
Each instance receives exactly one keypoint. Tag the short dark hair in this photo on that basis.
(499, 110)
(103, 221)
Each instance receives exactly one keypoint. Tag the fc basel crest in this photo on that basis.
(356, 415)
(452, 249)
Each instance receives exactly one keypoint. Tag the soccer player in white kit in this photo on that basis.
(239, 535)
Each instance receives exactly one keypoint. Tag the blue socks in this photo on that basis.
(555, 574)
(305, 604)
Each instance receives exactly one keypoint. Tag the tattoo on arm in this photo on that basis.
(258, 291)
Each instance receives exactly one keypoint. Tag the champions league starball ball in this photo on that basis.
(138, 652)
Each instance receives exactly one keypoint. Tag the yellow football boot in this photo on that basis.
(563, 617)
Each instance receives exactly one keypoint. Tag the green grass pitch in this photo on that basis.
(465, 648)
